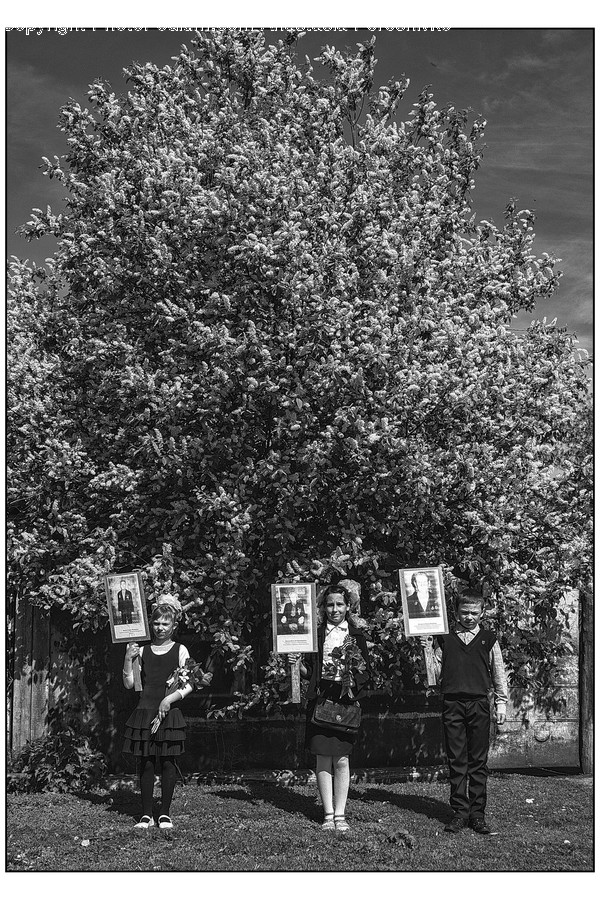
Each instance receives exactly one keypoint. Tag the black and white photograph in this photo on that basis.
(294, 617)
(423, 601)
(126, 607)
(300, 442)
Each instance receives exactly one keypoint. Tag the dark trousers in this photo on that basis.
(466, 724)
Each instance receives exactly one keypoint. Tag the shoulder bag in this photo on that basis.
(341, 717)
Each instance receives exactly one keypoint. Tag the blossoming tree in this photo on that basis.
(274, 342)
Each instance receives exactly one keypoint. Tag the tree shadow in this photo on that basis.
(124, 801)
(277, 795)
(536, 771)
(243, 795)
(424, 806)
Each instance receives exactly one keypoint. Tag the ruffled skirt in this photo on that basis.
(169, 740)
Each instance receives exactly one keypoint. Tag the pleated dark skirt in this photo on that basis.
(325, 741)
(169, 740)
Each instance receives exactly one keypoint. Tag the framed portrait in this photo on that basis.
(294, 608)
(423, 601)
(126, 607)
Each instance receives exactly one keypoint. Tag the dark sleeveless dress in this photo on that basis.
(170, 737)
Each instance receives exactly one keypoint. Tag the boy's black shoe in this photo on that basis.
(456, 824)
(480, 826)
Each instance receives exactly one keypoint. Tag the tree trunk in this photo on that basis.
(586, 680)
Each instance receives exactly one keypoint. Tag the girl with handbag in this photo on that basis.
(338, 673)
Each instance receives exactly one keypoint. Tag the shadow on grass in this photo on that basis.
(537, 772)
(279, 796)
(124, 801)
(423, 806)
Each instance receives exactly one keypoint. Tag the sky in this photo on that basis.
(533, 86)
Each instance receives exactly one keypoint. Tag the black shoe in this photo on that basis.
(456, 824)
(480, 826)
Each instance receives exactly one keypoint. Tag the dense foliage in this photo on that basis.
(63, 761)
(274, 342)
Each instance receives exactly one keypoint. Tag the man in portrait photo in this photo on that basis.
(125, 604)
(421, 602)
(293, 617)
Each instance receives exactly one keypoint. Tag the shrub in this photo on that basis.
(61, 762)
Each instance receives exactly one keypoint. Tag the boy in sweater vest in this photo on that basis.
(470, 663)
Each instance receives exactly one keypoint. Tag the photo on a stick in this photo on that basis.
(294, 618)
(126, 607)
(423, 601)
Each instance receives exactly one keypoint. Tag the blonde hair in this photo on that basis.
(167, 605)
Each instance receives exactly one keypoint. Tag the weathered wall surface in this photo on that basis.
(534, 737)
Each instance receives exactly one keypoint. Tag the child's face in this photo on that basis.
(163, 628)
(469, 613)
(336, 609)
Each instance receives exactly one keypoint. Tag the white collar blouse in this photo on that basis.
(334, 637)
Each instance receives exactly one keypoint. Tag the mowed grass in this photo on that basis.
(542, 824)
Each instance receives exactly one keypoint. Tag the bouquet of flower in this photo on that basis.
(190, 672)
(348, 661)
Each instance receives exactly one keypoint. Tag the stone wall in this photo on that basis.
(533, 736)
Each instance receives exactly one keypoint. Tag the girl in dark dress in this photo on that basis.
(155, 732)
(332, 748)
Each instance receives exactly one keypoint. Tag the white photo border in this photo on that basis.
(410, 628)
(142, 633)
(306, 643)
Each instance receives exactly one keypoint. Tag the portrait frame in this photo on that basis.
(423, 618)
(304, 638)
(127, 613)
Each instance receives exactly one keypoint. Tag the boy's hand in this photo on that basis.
(500, 718)
(426, 640)
(206, 679)
(293, 658)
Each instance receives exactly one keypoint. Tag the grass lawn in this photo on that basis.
(543, 824)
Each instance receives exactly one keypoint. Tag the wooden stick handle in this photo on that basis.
(137, 678)
(295, 674)
(429, 664)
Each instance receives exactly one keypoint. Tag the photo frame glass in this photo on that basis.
(294, 612)
(423, 601)
(127, 612)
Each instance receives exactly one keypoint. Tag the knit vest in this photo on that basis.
(466, 667)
